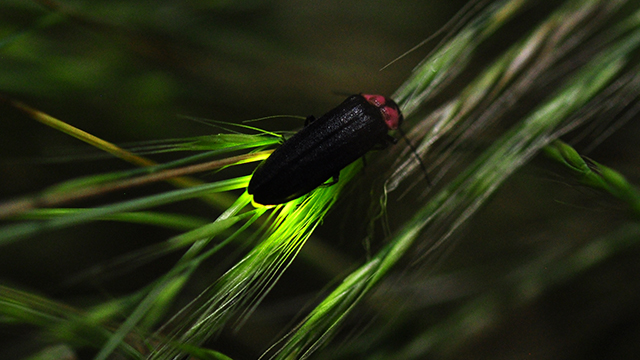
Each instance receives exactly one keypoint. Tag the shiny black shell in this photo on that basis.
(324, 147)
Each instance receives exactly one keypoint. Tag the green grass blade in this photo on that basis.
(242, 288)
(459, 199)
(19, 231)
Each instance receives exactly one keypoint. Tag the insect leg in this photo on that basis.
(309, 120)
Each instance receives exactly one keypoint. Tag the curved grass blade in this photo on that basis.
(458, 200)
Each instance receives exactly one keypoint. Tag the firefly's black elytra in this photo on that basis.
(324, 147)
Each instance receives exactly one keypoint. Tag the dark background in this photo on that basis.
(126, 72)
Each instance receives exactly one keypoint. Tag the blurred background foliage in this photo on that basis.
(127, 70)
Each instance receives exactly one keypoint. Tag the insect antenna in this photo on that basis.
(415, 153)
